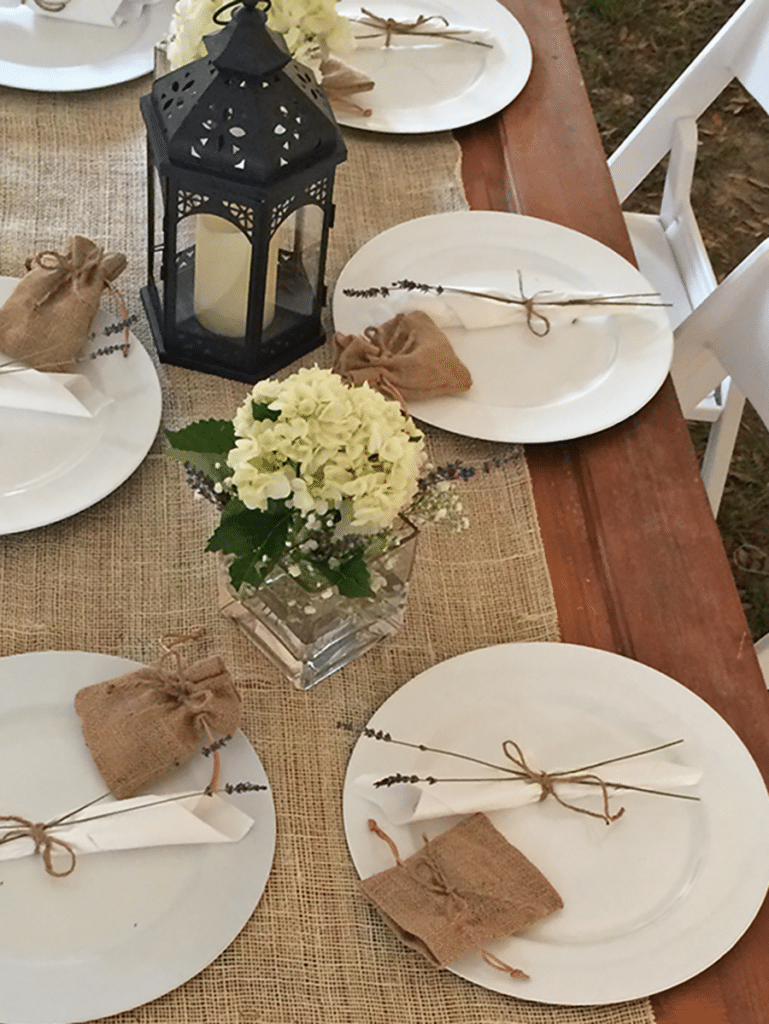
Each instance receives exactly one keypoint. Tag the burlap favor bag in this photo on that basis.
(341, 82)
(144, 724)
(463, 889)
(406, 358)
(45, 321)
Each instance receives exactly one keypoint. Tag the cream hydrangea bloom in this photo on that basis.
(311, 29)
(332, 447)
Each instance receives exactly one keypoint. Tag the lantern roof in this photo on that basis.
(247, 111)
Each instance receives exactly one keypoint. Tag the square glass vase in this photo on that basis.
(308, 630)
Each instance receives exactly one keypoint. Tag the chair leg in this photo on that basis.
(720, 446)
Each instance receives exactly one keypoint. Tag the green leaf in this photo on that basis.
(256, 539)
(262, 412)
(204, 444)
(352, 578)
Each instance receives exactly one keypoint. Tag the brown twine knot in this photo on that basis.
(172, 669)
(52, 6)
(63, 269)
(391, 26)
(435, 880)
(547, 782)
(43, 840)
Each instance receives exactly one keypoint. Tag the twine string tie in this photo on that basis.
(44, 842)
(433, 878)
(547, 781)
(52, 6)
(172, 669)
(391, 26)
(64, 270)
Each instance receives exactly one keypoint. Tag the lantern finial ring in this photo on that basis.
(238, 3)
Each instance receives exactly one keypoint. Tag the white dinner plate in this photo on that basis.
(53, 55)
(52, 466)
(579, 378)
(126, 926)
(649, 900)
(438, 84)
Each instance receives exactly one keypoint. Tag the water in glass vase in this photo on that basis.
(309, 630)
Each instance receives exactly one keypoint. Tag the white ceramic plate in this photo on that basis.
(53, 466)
(580, 378)
(51, 55)
(126, 926)
(650, 900)
(439, 84)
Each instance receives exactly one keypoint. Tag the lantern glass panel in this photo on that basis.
(157, 200)
(299, 239)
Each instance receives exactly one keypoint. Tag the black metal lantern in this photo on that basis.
(242, 150)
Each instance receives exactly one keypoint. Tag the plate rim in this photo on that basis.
(49, 508)
(583, 417)
(123, 67)
(504, 95)
(154, 987)
(710, 947)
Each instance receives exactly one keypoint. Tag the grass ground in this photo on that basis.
(630, 51)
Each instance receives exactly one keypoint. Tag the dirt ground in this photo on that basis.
(630, 51)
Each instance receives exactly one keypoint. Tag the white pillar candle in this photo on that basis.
(222, 274)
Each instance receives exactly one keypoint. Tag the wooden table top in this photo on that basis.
(636, 560)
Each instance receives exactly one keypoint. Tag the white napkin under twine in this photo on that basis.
(109, 13)
(67, 394)
(541, 311)
(141, 821)
(406, 802)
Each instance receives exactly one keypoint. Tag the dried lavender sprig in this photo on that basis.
(379, 734)
(204, 486)
(216, 745)
(14, 366)
(229, 788)
(431, 780)
(540, 298)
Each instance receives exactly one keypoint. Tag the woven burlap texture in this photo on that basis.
(120, 575)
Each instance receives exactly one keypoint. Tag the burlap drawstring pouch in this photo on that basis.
(461, 890)
(341, 82)
(140, 726)
(406, 358)
(45, 321)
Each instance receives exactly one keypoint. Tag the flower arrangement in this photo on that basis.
(313, 474)
(311, 28)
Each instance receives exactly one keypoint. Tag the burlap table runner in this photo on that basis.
(116, 577)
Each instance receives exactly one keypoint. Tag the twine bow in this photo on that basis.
(537, 322)
(433, 878)
(547, 782)
(388, 27)
(44, 842)
(172, 670)
(52, 6)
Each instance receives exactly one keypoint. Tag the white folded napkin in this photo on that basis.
(472, 312)
(110, 13)
(406, 802)
(68, 394)
(150, 821)
(367, 37)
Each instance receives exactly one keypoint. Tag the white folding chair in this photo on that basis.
(729, 333)
(668, 246)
